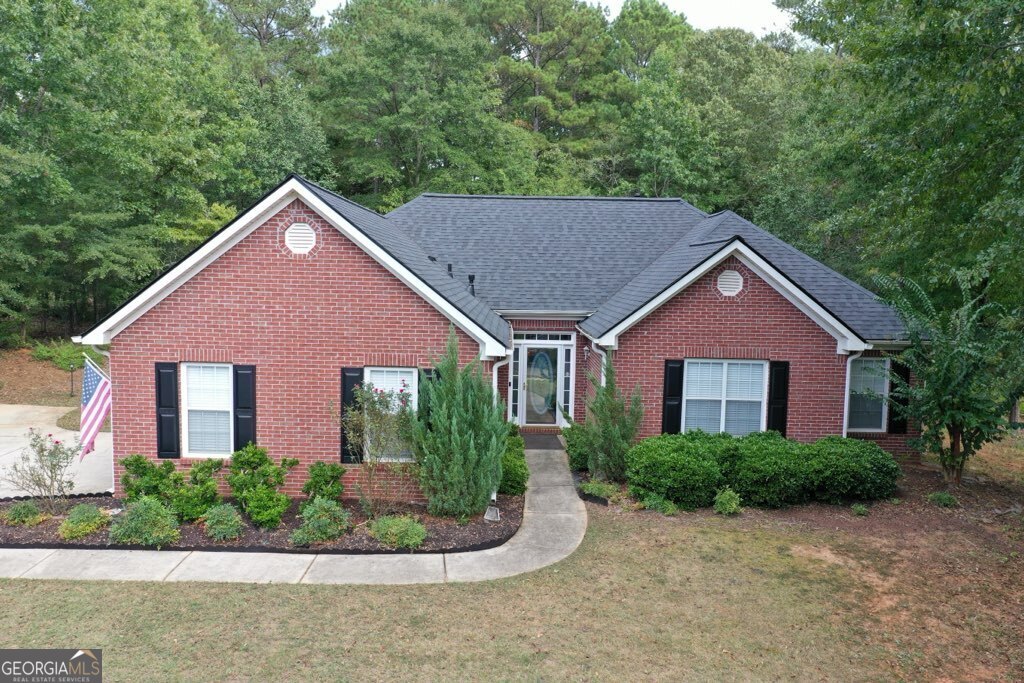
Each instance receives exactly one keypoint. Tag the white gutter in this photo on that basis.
(846, 396)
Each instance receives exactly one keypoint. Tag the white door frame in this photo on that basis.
(520, 347)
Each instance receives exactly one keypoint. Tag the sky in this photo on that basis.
(757, 16)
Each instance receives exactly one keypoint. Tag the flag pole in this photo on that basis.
(94, 366)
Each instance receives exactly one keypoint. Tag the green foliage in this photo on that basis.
(611, 426)
(254, 480)
(769, 471)
(146, 521)
(968, 365)
(514, 471)
(600, 489)
(399, 531)
(222, 522)
(322, 520)
(682, 468)
(850, 469)
(575, 446)
(860, 509)
(728, 502)
(43, 470)
(83, 520)
(189, 498)
(65, 355)
(459, 437)
(652, 501)
(943, 499)
(24, 513)
(324, 481)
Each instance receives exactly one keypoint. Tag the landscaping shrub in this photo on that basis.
(189, 499)
(324, 482)
(459, 436)
(254, 480)
(66, 355)
(728, 502)
(943, 499)
(322, 520)
(514, 471)
(147, 521)
(42, 470)
(24, 513)
(860, 509)
(83, 520)
(681, 468)
(768, 470)
(611, 426)
(842, 469)
(601, 489)
(399, 531)
(576, 447)
(222, 522)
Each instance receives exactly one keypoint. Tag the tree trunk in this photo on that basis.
(953, 468)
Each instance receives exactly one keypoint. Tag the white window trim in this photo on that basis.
(183, 402)
(884, 429)
(723, 399)
(414, 391)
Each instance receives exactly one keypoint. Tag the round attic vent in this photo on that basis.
(300, 238)
(730, 282)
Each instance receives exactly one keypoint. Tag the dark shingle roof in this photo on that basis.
(390, 237)
(605, 256)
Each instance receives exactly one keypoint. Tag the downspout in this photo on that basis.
(846, 395)
(604, 358)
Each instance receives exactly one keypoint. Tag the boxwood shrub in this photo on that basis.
(769, 471)
(578, 456)
(850, 469)
(514, 471)
(681, 468)
(146, 521)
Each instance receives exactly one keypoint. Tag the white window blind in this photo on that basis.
(724, 396)
(869, 383)
(208, 404)
(398, 380)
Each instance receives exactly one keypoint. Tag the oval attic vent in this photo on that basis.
(730, 282)
(300, 238)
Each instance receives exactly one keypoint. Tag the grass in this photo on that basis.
(644, 597)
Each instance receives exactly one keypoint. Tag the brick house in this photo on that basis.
(261, 333)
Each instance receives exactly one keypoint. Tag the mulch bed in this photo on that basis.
(443, 534)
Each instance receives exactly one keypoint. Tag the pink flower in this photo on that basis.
(56, 443)
(49, 435)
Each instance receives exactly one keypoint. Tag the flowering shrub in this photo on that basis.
(42, 470)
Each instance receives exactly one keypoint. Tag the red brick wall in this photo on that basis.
(298, 319)
(758, 324)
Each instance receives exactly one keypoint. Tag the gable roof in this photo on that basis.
(604, 259)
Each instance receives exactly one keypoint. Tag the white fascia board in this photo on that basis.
(245, 225)
(846, 340)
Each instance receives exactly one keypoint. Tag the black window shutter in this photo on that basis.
(672, 407)
(168, 441)
(897, 419)
(245, 405)
(350, 378)
(422, 405)
(778, 395)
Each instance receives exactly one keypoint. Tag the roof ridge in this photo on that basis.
(578, 197)
(334, 194)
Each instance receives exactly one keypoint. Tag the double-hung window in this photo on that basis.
(725, 396)
(401, 381)
(869, 385)
(207, 399)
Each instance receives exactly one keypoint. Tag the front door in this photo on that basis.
(541, 385)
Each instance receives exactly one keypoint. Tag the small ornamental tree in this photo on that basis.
(611, 426)
(967, 368)
(459, 437)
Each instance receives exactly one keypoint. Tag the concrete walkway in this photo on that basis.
(94, 474)
(554, 523)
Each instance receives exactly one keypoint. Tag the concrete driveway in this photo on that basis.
(93, 475)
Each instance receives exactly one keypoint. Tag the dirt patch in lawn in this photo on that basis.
(443, 534)
(28, 381)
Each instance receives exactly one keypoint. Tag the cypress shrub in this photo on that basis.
(459, 437)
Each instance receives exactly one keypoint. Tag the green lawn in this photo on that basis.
(645, 597)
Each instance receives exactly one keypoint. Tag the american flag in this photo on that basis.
(95, 404)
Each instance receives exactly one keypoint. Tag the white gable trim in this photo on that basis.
(846, 340)
(248, 222)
